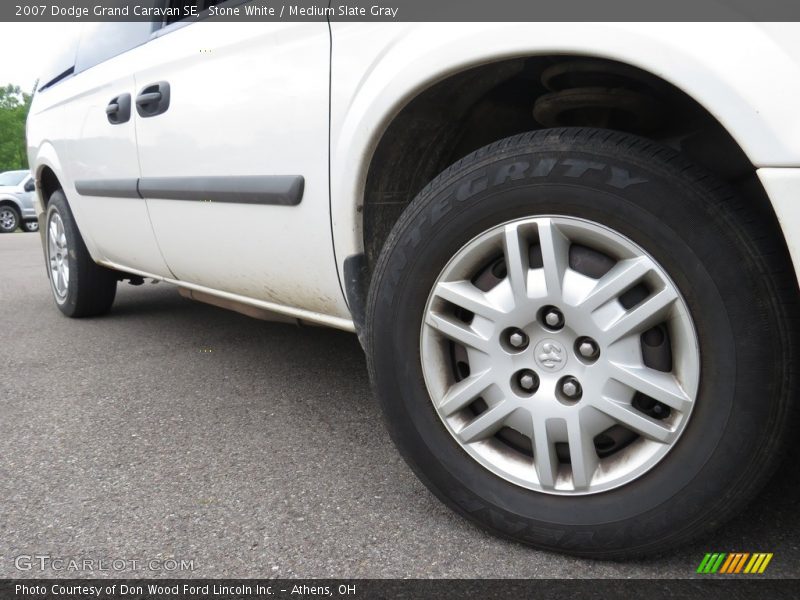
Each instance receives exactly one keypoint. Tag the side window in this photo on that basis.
(60, 62)
(106, 40)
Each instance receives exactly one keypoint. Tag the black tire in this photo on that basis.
(30, 226)
(726, 256)
(91, 288)
(13, 219)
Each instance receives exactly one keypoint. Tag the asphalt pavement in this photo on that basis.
(174, 431)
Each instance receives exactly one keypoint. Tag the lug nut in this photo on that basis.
(518, 339)
(588, 348)
(571, 388)
(553, 318)
(660, 411)
(528, 380)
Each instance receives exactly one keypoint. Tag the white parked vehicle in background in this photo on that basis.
(570, 251)
(17, 208)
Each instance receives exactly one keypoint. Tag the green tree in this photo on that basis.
(14, 105)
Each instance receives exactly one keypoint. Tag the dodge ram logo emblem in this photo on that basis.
(550, 355)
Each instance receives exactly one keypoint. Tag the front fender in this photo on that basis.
(378, 68)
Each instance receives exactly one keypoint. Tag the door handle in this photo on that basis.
(153, 99)
(119, 109)
(148, 98)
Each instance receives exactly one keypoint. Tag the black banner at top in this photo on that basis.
(400, 10)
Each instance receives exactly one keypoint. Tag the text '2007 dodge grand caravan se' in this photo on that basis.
(569, 251)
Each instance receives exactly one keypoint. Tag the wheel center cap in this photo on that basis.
(550, 355)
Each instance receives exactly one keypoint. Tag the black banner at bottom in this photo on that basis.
(731, 588)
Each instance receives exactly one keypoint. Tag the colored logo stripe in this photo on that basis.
(731, 560)
(758, 563)
(711, 563)
(734, 562)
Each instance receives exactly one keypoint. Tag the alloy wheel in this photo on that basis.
(8, 220)
(58, 256)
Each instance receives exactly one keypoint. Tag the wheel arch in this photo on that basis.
(9, 200)
(45, 166)
(47, 183)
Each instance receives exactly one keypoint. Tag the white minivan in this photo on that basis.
(570, 251)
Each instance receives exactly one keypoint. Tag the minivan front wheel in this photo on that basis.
(81, 287)
(583, 342)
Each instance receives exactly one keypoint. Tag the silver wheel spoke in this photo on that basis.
(517, 262)
(457, 331)
(485, 424)
(643, 316)
(464, 392)
(465, 295)
(582, 454)
(656, 384)
(622, 276)
(555, 256)
(544, 455)
(60, 281)
(627, 415)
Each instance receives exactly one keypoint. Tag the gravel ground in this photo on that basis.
(172, 429)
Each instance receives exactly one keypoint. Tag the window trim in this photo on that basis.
(167, 28)
(160, 28)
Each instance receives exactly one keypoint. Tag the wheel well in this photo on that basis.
(10, 203)
(48, 183)
(484, 104)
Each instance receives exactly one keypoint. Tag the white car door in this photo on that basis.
(234, 166)
(97, 145)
